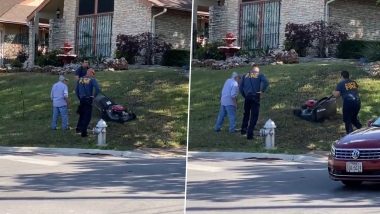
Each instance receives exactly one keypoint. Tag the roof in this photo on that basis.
(186, 5)
(16, 11)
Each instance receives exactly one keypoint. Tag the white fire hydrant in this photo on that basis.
(100, 130)
(268, 132)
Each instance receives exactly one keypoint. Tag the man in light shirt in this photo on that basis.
(228, 103)
(60, 97)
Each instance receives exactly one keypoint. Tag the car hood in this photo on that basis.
(362, 138)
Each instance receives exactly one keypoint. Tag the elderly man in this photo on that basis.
(253, 85)
(60, 96)
(228, 103)
(87, 88)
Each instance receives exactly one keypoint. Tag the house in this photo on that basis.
(259, 24)
(14, 29)
(92, 26)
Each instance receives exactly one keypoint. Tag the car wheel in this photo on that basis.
(352, 183)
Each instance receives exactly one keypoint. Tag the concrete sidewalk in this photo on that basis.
(143, 153)
(312, 157)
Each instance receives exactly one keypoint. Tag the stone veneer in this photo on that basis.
(224, 19)
(174, 27)
(70, 11)
(359, 18)
(56, 34)
(130, 17)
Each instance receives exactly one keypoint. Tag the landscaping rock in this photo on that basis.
(287, 57)
(118, 64)
(197, 63)
(372, 68)
(209, 62)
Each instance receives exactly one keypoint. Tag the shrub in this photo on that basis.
(145, 45)
(16, 63)
(355, 49)
(209, 51)
(176, 58)
(22, 56)
(50, 58)
(372, 51)
(317, 34)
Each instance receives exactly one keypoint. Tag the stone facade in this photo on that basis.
(359, 18)
(174, 27)
(70, 10)
(224, 19)
(300, 12)
(56, 34)
(130, 17)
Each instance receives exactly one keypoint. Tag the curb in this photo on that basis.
(74, 151)
(243, 155)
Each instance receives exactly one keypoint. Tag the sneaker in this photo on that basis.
(217, 130)
(249, 137)
(243, 132)
(84, 135)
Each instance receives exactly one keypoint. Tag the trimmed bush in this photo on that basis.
(355, 49)
(50, 58)
(176, 58)
(210, 51)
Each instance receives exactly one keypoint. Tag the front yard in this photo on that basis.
(290, 86)
(158, 97)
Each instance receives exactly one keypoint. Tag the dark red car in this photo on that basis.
(356, 157)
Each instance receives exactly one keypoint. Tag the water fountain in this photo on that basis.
(230, 49)
(66, 57)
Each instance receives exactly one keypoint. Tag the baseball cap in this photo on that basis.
(234, 74)
(62, 78)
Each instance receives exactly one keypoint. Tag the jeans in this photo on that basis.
(224, 111)
(85, 113)
(251, 115)
(350, 115)
(63, 111)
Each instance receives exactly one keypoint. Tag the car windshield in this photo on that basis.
(377, 122)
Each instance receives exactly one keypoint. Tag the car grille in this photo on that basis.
(365, 154)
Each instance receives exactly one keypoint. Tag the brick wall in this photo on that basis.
(130, 17)
(359, 18)
(56, 34)
(70, 11)
(174, 27)
(300, 12)
(223, 20)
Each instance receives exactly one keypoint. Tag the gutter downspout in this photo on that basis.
(153, 30)
(154, 20)
(327, 16)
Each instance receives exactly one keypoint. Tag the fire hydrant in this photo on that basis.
(268, 132)
(100, 130)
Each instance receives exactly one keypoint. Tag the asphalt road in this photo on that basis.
(43, 183)
(273, 186)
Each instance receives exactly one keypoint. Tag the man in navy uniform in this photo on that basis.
(82, 70)
(348, 90)
(252, 87)
(87, 88)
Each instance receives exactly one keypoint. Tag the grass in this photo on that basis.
(290, 86)
(158, 97)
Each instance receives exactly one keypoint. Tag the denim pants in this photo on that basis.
(85, 113)
(63, 111)
(350, 115)
(224, 111)
(251, 115)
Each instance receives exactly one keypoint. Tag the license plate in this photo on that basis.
(354, 167)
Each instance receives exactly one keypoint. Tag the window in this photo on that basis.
(87, 7)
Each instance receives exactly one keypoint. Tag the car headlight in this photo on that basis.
(332, 151)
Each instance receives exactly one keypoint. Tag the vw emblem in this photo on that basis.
(355, 154)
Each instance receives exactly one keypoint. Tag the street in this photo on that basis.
(272, 186)
(85, 184)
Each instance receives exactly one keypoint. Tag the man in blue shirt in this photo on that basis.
(87, 88)
(228, 103)
(60, 96)
(82, 70)
(252, 87)
(348, 90)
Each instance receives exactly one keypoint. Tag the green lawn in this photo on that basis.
(290, 86)
(159, 97)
